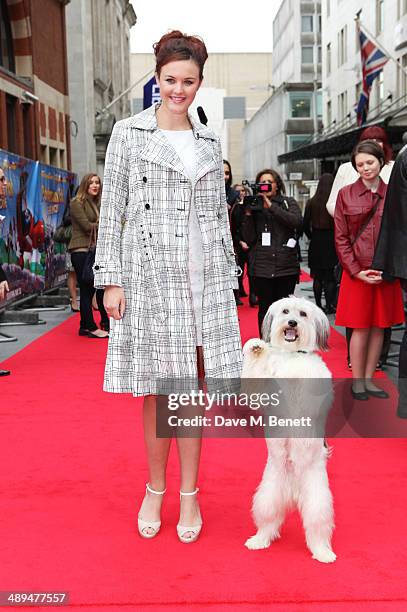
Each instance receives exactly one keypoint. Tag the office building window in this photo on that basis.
(342, 45)
(328, 8)
(402, 78)
(307, 55)
(343, 105)
(380, 87)
(358, 91)
(328, 58)
(319, 104)
(6, 39)
(298, 140)
(307, 23)
(11, 103)
(300, 105)
(329, 113)
(379, 16)
(319, 54)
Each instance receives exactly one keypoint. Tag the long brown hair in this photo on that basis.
(82, 193)
(320, 218)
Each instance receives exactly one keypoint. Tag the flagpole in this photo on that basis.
(380, 46)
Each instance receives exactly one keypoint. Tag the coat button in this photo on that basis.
(144, 179)
(97, 267)
(147, 206)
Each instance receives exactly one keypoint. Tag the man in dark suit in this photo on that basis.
(3, 280)
(391, 252)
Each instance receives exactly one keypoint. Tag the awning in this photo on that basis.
(337, 145)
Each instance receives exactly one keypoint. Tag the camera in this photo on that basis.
(255, 201)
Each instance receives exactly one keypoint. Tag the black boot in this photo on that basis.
(253, 301)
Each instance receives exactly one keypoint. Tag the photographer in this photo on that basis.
(269, 228)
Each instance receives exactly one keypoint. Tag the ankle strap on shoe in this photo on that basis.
(150, 490)
(192, 492)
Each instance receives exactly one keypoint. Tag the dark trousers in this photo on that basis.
(87, 293)
(329, 288)
(402, 407)
(243, 261)
(269, 290)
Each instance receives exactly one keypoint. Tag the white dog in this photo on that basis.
(295, 473)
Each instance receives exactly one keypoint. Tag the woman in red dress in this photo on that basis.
(366, 302)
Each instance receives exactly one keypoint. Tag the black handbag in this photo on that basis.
(338, 269)
(87, 272)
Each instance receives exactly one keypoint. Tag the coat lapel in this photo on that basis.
(205, 157)
(158, 149)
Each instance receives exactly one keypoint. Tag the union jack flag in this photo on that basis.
(373, 60)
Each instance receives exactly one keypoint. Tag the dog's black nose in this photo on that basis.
(292, 323)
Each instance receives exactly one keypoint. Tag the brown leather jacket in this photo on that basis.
(353, 206)
(84, 216)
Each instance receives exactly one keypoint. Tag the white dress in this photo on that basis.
(183, 142)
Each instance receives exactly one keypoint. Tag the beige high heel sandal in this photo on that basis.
(182, 530)
(154, 525)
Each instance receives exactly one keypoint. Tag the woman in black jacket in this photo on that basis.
(272, 234)
(322, 258)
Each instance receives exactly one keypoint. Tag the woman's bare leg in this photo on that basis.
(71, 283)
(189, 452)
(374, 349)
(358, 355)
(157, 458)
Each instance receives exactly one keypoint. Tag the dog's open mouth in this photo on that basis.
(290, 334)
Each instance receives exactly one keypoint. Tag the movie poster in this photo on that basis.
(37, 196)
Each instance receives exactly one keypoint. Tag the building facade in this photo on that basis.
(235, 86)
(34, 106)
(386, 20)
(293, 113)
(98, 36)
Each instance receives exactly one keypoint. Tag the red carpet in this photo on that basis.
(73, 474)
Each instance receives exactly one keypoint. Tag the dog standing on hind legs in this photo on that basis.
(295, 474)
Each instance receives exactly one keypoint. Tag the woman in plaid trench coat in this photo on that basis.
(142, 259)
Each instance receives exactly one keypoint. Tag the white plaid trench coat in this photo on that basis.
(143, 247)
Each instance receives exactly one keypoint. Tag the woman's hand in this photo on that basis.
(114, 302)
(266, 201)
(244, 245)
(372, 277)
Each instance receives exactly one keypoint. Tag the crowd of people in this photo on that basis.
(160, 252)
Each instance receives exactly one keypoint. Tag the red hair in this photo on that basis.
(176, 46)
(377, 133)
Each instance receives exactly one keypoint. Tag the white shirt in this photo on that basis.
(347, 175)
(183, 141)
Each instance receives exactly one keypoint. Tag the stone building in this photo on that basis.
(99, 71)
(385, 23)
(34, 108)
(293, 113)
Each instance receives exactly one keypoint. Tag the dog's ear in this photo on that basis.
(322, 329)
(266, 325)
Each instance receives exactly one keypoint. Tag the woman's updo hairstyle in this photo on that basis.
(176, 46)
